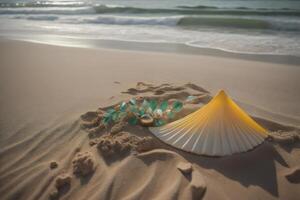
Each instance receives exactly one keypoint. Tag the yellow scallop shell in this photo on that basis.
(219, 128)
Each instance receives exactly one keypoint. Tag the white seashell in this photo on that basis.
(217, 129)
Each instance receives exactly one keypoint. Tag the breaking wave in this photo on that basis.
(200, 10)
(175, 21)
(80, 8)
(180, 21)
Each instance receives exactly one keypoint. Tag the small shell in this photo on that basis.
(146, 120)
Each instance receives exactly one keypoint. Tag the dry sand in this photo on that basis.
(45, 151)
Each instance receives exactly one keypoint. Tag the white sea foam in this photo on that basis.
(120, 20)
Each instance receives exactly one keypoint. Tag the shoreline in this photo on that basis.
(159, 47)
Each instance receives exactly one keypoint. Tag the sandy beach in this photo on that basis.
(46, 90)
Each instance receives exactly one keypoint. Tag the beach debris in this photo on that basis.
(293, 175)
(219, 128)
(185, 167)
(198, 185)
(143, 112)
(62, 181)
(53, 164)
(83, 163)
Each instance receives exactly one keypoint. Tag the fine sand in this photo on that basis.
(52, 145)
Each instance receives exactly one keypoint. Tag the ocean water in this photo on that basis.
(242, 26)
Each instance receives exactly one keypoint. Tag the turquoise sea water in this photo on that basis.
(243, 26)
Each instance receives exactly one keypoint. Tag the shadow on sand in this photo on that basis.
(256, 167)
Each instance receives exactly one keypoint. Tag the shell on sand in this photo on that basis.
(217, 129)
(146, 120)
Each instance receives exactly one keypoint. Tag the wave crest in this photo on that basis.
(189, 22)
(107, 9)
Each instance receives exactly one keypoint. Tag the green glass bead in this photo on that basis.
(123, 106)
(141, 112)
(159, 122)
(133, 120)
(106, 120)
(110, 111)
(164, 105)
(153, 104)
(132, 101)
(190, 98)
(134, 109)
(145, 104)
(115, 116)
(177, 106)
